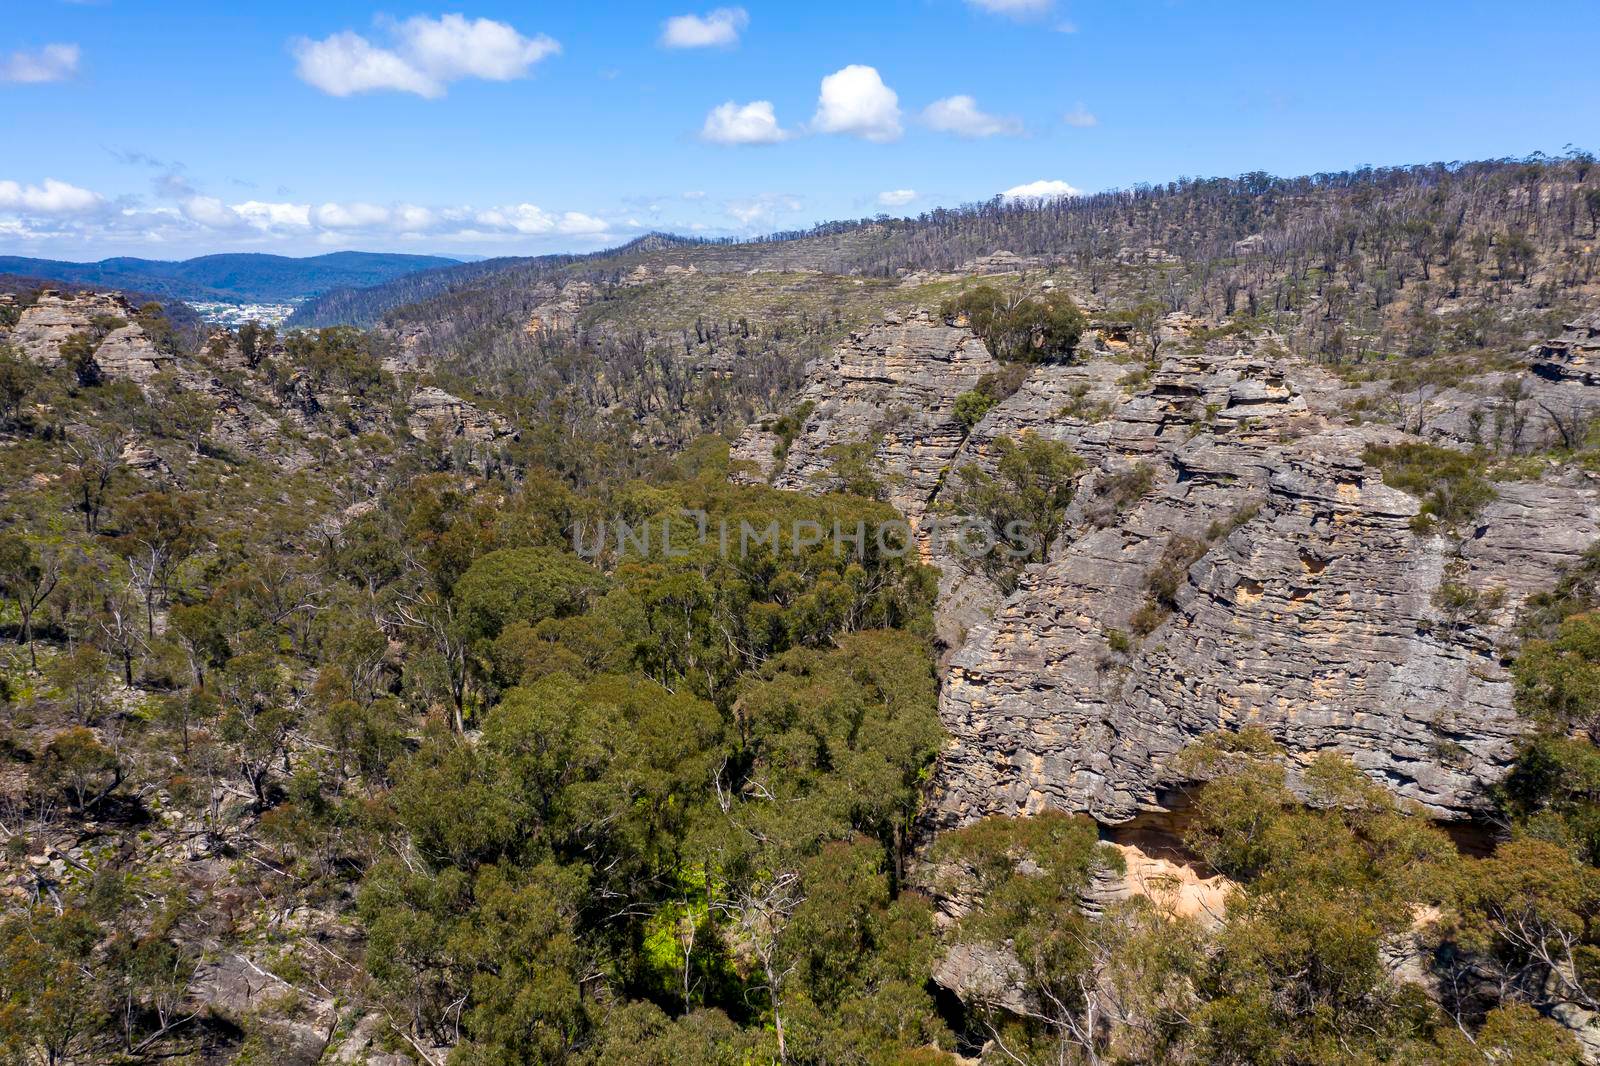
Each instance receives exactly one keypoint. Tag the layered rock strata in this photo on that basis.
(1301, 597)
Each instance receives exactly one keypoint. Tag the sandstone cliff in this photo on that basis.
(262, 407)
(1305, 601)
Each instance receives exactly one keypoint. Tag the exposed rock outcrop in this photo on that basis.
(53, 317)
(436, 412)
(559, 310)
(124, 350)
(130, 354)
(1315, 618)
(894, 387)
(1302, 599)
(1573, 356)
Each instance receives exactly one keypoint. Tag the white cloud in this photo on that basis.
(752, 123)
(428, 54)
(52, 198)
(856, 101)
(348, 63)
(1017, 9)
(270, 216)
(450, 48)
(351, 216)
(210, 211)
(53, 62)
(896, 197)
(960, 115)
(66, 221)
(716, 29)
(523, 218)
(410, 218)
(1081, 117)
(1040, 190)
(529, 219)
(579, 224)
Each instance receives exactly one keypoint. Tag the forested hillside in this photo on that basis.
(238, 276)
(1338, 249)
(357, 306)
(401, 695)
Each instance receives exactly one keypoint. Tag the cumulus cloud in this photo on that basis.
(1017, 9)
(274, 216)
(410, 218)
(54, 216)
(962, 116)
(53, 62)
(348, 63)
(1081, 117)
(1040, 190)
(715, 29)
(211, 212)
(856, 101)
(896, 197)
(578, 224)
(752, 123)
(451, 47)
(51, 198)
(529, 219)
(425, 56)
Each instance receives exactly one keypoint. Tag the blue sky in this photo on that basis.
(171, 128)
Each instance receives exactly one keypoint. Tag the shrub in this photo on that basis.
(855, 468)
(1117, 492)
(1222, 527)
(972, 406)
(1148, 618)
(991, 389)
(1450, 484)
(1029, 492)
(1039, 329)
(77, 351)
(1082, 408)
(17, 380)
(1168, 573)
(788, 427)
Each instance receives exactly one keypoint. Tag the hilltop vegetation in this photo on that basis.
(1339, 260)
(1353, 269)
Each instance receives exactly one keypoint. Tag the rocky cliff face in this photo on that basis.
(259, 407)
(1316, 619)
(1303, 601)
(125, 351)
(892, 388)
(435, 413)
(1573, 356)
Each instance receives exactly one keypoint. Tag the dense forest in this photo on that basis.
(357, 758)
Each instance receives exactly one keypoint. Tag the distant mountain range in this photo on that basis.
(242, 277)
(360, 305)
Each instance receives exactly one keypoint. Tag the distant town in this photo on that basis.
(218, 313)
